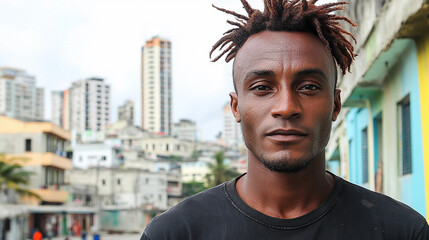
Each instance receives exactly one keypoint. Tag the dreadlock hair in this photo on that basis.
(290, 16)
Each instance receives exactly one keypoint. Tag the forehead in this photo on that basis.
(288, 52)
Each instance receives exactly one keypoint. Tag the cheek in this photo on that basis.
(251, 118)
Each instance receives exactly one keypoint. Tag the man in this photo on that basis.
(286, 99)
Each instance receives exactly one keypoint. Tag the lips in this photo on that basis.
(286, 135)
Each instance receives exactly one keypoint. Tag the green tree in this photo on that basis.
(219, 171)
(191, 188)
(13, 176)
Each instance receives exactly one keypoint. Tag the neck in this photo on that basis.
(285, 195)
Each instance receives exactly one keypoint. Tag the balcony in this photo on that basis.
(47, 196)
(44, 159)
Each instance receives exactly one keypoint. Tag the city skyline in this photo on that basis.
(60, 42)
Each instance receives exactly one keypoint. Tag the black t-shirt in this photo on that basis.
(350, 212)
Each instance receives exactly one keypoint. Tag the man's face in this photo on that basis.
(285, 98)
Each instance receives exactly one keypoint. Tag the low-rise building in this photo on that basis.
(96, 155)
(186, 129)
(128, 188)
(42, 148)
(168, 146)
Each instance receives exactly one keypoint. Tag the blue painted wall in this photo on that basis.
(411, 187)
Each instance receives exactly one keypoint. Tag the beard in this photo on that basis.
(285, 165)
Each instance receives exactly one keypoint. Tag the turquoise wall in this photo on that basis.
(411, 187)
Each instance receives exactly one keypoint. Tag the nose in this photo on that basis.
(286, 104)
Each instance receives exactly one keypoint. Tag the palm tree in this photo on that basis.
(219, 172)
(12, 176)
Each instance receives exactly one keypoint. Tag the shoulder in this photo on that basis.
(184, 216)
(392, 215)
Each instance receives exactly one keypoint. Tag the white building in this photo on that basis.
(19, 96)
(57, 107)
(85, 106)
(232, 135)
(96, 155)
(195, 171)
(156, 86)
(128, 188)
(168, 146)
(186, 129)
(126, 113)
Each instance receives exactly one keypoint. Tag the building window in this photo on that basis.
(103, 158)
(103, 182)
(28, 145)
(365, 155)
(405, 131)
(119, 181)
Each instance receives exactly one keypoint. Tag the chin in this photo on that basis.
(286, 164)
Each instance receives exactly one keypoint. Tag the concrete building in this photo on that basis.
(124, 135)
(232, 135)
(19, 96)
(165, 146)
(57, 107)
(42, 145)
(96, 155)
(381, 138)
(156, 86)
(195, 171)
(61, 109)
(13, 222)
(128, 188)
(85, 106)
(126, 113)
(186, 129)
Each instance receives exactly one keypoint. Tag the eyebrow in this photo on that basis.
(259, 73)
(311, 71)
(304, 72)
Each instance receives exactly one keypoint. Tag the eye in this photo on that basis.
(309, 87)
(261, 88)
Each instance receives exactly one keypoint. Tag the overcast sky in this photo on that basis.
(62, 41)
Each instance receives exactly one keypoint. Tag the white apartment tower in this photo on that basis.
(126, 113)
(156, 86)
(231, 129)
(19, 96)
(85, 106)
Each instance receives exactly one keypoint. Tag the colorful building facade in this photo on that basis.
(381, 140)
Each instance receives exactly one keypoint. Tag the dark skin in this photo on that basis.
(286, 101)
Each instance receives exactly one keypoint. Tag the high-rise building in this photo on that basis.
(186, 129)
(61, 108)
(231, 129)
(156, 86)
(85, 106)
(126, 113)
(19, 96)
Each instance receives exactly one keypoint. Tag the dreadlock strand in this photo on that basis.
(337, 18)
(247, 7)
(231, 55)
(224, 51)
(235, 23)
(231, 12)
(320, 34)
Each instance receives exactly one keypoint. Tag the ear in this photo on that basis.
(337, 104)
(234, 106)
